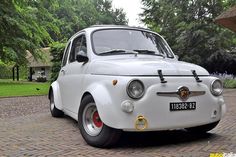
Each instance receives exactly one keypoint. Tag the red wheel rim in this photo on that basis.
(96, 119)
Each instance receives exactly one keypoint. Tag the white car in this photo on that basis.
(120, 78)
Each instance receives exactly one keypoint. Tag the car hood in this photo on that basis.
(140, 66)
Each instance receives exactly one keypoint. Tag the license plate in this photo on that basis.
(180, 106)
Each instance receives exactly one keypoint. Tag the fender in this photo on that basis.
(108, 111)
(57, 95)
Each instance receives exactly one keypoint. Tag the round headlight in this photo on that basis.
(135, 89)
(216, 87)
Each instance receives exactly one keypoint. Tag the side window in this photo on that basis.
(78, 46)
(66, 54)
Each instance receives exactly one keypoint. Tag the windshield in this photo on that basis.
(127, 41)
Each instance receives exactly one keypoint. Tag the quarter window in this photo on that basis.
(79, 46)
(64, 61)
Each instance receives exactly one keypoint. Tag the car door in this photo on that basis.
(72, 76)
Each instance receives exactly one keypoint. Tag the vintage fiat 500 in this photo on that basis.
(120, 78)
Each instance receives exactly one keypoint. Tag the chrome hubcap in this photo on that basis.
(91, 120)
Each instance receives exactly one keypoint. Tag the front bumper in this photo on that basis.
(159, 117)
(155, 108)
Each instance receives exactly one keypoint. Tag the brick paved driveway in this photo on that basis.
(27, 129)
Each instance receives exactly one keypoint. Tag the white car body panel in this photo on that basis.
(57, 95)
(95, 77)
(143, 65)
(155, 108)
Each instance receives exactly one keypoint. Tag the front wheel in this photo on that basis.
(203, 128)
(93, 130)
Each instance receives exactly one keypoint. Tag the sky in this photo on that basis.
(132, 8)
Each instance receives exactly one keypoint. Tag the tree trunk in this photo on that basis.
(1, 51)
(17, 72)
(13, 73)
(31, 73)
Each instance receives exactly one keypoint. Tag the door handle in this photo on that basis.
(63, 72)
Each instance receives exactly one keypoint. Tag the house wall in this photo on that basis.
(36, 71)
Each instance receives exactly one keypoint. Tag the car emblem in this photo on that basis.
(183, 92)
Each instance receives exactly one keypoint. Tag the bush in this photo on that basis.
(56, 51)
(222, 62)
(5, 71)
(41, 79)
(229, 83)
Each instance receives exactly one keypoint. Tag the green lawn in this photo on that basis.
(22, 88)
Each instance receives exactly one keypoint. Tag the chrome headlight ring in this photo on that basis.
(216, 87)
(135, 89)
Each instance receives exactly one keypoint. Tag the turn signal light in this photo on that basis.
(114, 82)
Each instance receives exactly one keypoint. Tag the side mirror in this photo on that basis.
(81, 58)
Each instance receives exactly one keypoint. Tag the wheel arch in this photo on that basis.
(49, 92)
(103, 102)
(84, 95)
(105, 137)
(57, 94)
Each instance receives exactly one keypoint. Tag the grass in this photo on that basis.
(229, 83)
(10, 88)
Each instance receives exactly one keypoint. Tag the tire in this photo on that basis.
(92, 129)
(54, 111)
(203, 128)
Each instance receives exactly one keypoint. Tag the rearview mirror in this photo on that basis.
(81, 58)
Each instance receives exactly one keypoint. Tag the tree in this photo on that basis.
(74, 15)
(189, 28)
(20, 31)
(32, 24)
(56, 51)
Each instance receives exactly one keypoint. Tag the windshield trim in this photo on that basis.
(137, 29)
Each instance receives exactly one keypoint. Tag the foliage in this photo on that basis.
(32, 24)
(5, 71)
(189, 28)
(10, 88)
(222, 62)
(56, 51)
(76, 15)
(229, 83)
(20, 31)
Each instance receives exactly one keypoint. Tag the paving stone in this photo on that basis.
(27, 129)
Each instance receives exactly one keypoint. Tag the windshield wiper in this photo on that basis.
(143, 51)
(118, 51)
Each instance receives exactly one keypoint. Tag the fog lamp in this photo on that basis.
(127, 106)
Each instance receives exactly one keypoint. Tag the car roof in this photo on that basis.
(115, 26)
(100, 27)
(97, 27)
